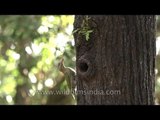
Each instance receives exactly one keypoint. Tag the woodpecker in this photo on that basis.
(69, 74)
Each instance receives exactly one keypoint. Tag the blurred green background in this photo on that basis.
(30, 50)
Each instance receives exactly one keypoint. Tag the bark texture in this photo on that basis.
(116, 65)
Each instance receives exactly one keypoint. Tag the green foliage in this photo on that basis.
(85, 30)
(30, 47)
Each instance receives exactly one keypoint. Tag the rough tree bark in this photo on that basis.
(116, 65)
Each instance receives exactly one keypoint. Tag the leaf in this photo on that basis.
(74, 31)
(89, 31)
(87, 36)
(82, 32)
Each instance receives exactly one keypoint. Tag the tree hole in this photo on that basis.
(83, 67)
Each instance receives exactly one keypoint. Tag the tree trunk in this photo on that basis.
(116, 64)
